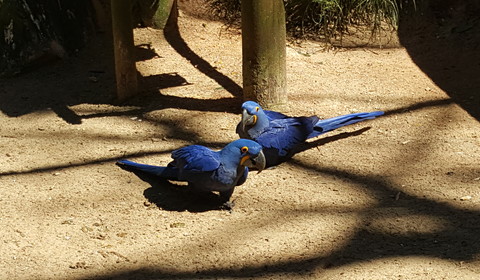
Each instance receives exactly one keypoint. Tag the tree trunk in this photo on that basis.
(264, 52)
(125, 69)
(153, 13)
(166, 8)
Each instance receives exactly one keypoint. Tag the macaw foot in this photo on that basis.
(225, 198)
(228, 205)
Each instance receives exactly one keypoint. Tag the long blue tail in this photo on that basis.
(323, 126)
(161, 171)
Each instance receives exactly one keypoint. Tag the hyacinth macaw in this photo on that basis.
(281, 135)
(206, 170)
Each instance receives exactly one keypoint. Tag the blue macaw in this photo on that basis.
(281, 135)
(206, 170)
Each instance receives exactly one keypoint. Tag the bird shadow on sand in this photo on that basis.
(172, 196)
(323, 141)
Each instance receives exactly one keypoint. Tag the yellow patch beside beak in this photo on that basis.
(244, 158)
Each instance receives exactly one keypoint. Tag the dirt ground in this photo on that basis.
(397, 197)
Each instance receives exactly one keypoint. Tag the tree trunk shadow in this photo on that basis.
(443, 38)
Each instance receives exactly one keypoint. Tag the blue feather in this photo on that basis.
(272, 115)
(161, 171)
(197, 158)
(324, 126)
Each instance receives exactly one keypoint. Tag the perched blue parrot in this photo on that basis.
(206, 170)
(281, 135)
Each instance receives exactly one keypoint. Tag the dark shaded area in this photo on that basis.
(419, 106)
(36, 32)
(443, 39)
(143, 11)
(329, 138)
(176, 197)
(25, 95)
(146, 52)
(87, 78)
(170, 197)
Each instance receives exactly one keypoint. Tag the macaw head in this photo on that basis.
(248, 152)
(252, 114)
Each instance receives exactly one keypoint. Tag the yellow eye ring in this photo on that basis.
(244, 149)
(257, 108)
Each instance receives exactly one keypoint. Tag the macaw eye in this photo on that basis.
(244, 149)
(257, 108)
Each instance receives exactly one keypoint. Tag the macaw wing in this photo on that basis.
(196, 158)
(272, 115)
(284, 134)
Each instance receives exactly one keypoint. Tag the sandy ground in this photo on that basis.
(397, 197)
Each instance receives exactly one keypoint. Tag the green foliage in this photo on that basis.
(330, 17)
(327, 18)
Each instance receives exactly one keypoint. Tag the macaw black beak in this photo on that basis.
(247, 119)
(258, 162)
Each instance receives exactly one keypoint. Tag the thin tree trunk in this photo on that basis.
(166, 9)
(125, 69)
(264, 52)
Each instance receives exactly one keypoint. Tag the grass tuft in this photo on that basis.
(324, 18)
